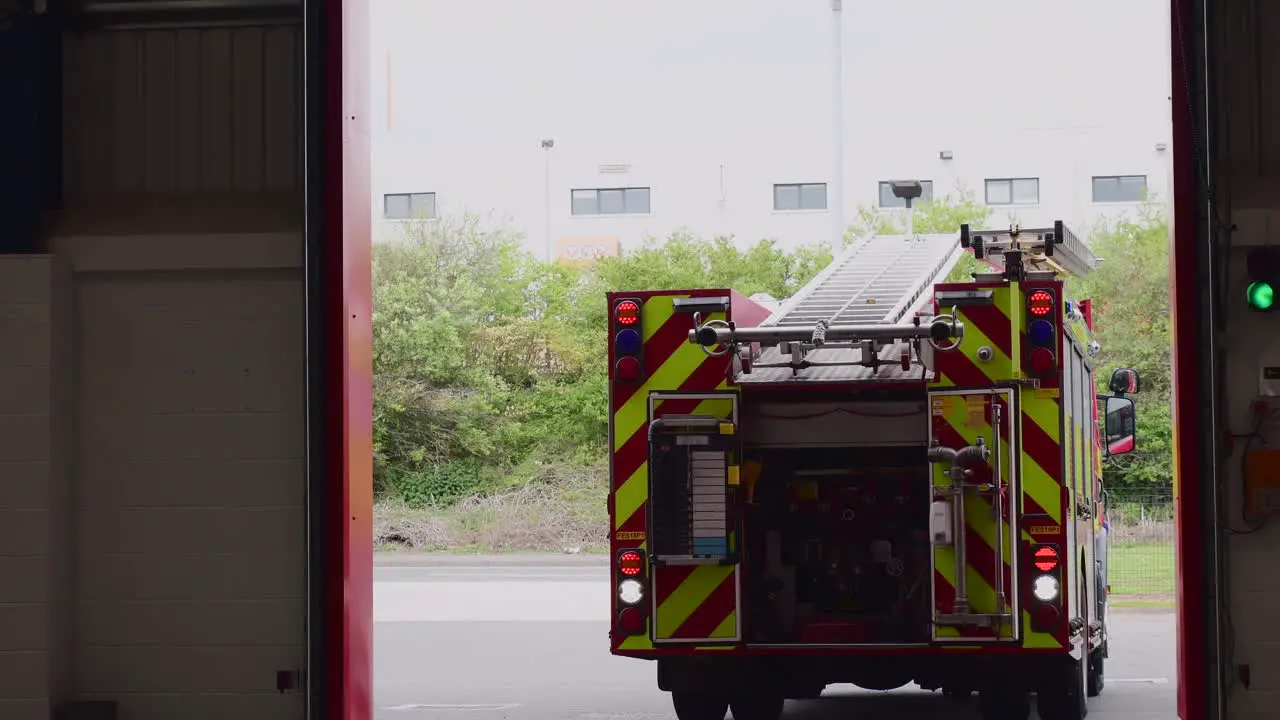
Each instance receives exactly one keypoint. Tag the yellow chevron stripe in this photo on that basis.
(728, 628)
(1036, 481)
(657, 311)
(636, 642)
(673, 371)
(999, 367)
(979, 587)
(687, 598)
(982, 598)
(632, 493)
(981, 590)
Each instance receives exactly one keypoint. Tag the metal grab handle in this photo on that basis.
(718, 332)
(997, 469)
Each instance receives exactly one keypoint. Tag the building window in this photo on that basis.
(800, 196)
(1119, 188)
(1013, 191)
(889, 200)
(611, 201)
(409, 206)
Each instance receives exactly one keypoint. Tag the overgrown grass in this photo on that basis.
(559, 509)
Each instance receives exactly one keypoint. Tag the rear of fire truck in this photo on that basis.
(891, 479)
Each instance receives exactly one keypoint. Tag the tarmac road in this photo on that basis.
(479, 638)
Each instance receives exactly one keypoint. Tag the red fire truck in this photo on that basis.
(889, 480)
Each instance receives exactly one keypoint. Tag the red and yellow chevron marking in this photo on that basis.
(696, 602)
(1040, 421)
(1040, 462)
(673, 364)
(958, 420)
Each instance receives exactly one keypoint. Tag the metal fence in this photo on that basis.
(1141, 558)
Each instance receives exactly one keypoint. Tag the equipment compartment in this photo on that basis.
(838, 546)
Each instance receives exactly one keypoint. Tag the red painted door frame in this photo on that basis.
(1193, 473)
(339, 242)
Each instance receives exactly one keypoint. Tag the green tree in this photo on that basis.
(1130, 293)
(684, 261)
(480, 360)
(488, 362)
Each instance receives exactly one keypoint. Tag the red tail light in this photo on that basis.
(628, 344)
(1040, 303)
(627, 369)
(1042, 361)
(631, 563)
(1042, 334)
(631, 621)
(1046, 558)
(627, 313)
(1045, 617)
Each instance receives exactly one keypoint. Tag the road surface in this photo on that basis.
(524, 638)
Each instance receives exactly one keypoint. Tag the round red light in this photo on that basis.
(1044, 616)
(631, 621)
(630, 563)
(627, 369)
(627, 313)
(1046, 559)
(1040, 303)
(1043, 361)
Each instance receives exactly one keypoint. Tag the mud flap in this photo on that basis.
(974, 522)
(693, 523)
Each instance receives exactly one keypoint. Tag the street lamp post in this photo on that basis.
(835, 197)
(547, 144)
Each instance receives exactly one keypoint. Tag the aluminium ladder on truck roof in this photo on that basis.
(1054, 249)
(881, 280)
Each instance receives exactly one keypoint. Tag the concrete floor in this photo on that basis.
(523, 638)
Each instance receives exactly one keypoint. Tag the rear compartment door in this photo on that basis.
(973, 524)
(693, 526)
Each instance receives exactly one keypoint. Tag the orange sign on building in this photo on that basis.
(585, 251)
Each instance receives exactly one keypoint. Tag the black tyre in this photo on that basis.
(1063, 698)
(693, 706)
(1097, 679)
(1004, 704)
(757, 706)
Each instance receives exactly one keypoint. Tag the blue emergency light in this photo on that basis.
(627, 342)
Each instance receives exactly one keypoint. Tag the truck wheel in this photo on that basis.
(1063, 697)
(1004, 704)
(694, 706)
(757, 706)
(1097, 679)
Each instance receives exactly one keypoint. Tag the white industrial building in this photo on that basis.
(577, 120)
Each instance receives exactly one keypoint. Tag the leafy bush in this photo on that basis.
(486, 360)
(490, 372)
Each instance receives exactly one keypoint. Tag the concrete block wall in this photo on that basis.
(36, 571)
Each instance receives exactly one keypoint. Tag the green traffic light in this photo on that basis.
(1261, 295)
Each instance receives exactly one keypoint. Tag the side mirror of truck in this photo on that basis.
(1121, 426)
(1125, 380)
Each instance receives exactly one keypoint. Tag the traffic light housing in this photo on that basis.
(627, 318)
(1263, 266)
(1042, 332)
